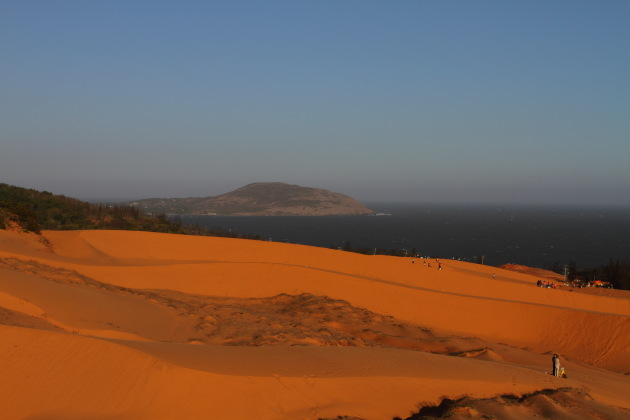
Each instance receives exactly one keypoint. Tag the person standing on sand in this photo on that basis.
(555, 360)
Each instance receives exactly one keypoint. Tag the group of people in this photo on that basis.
(546, 284)
(424, 262)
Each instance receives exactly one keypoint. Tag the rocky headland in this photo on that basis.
(260, 199)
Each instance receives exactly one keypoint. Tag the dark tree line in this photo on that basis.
(35, 211)
(615, 272)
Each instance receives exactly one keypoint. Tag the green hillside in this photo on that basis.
(34, 211)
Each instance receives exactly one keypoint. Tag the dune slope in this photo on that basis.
(109, 324)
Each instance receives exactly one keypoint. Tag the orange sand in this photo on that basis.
(128, 325)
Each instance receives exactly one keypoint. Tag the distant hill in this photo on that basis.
(260, 199)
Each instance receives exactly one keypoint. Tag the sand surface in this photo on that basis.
(136, 325)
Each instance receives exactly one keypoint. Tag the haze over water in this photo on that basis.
(533, 236)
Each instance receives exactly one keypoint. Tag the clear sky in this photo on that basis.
(432, 101)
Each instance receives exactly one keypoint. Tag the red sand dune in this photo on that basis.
(136, 325)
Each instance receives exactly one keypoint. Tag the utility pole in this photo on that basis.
(565, 273)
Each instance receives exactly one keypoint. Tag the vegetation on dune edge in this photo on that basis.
(545, 403)
(35, 211)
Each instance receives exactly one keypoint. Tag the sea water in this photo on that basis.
(533, 236)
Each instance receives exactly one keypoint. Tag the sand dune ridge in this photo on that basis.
(171, 325)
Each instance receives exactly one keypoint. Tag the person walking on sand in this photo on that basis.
(555, 360)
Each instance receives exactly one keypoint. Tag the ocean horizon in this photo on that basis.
(537, 236)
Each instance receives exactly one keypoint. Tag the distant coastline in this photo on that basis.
(528, 235)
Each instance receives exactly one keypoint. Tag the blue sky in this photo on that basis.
(431, 101)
